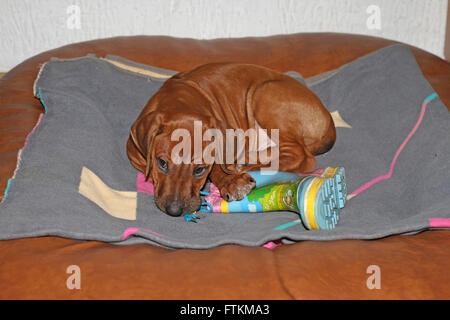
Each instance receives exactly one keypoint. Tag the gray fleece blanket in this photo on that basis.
(74, 179)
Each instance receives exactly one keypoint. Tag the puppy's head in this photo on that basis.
(165, 146)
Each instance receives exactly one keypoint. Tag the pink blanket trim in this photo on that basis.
(130, 231)
(34, 128)
(391, 168)
(439, 222)
(144, 186)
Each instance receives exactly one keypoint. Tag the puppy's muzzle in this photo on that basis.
(175, 208)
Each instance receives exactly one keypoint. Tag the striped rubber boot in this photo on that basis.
(338, 185)
(320, 198)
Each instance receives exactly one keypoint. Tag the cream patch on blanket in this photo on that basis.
(119, 204)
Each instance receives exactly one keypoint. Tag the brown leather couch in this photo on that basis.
(411, 266)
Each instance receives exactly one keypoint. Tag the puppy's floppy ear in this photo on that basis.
(221, 126)
(140, 143)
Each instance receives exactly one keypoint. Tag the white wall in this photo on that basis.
(28, 27)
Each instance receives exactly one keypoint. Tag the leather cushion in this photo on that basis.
(411, 266)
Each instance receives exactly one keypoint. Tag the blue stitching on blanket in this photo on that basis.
(5, 194)
(39, 93)
(8, 185)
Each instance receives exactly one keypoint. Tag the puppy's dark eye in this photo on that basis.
(199, 171)
(163, 165)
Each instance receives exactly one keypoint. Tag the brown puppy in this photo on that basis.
(225, 96)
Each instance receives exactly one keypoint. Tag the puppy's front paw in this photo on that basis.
(236, 186)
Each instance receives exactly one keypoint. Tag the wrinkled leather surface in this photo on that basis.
(411, 266)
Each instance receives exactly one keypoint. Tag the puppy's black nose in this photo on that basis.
(174, 209)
